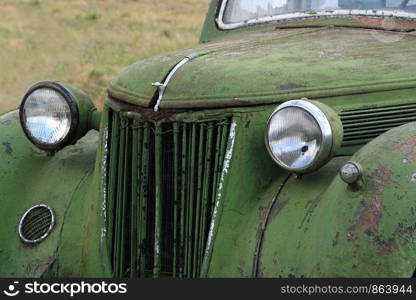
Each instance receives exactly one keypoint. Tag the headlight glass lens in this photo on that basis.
(47, 116)
(294, 137)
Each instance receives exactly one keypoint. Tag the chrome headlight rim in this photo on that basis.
(327, 135)
(75, 115)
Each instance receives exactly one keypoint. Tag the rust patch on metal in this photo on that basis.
(408, 148)
(8, 148)
(369, 211)
(39, 267)
(388, 245)
(369, 214)
(68, 275)
(311, 205)
(291, 86)
(384, 247)
(353, 238)
(393, 24)
(277, 208)
(45, 265)
(383, 176)
(240, 269)
(6, 122)
(262, 229)
(146, 113)
(335, 242)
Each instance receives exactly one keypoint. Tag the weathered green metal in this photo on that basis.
(94, 119)
(144, 195)
(176, 239)
(364, 232)
(120, 200)
(158, 201)
(206, 203)
(89, 117)
(195, 178)
(176, 251)
(65, 182)
(183, 227)
(337, 134)
(133, 206)
(111, 187)
(331, 54)
(190, 206)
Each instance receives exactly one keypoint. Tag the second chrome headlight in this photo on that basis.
(302, 135)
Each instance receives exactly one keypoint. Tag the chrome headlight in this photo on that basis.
(53, 115)
(303, 135)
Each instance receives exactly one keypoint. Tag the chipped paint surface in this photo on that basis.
(370, 208)
(310, 227)
(364, 233)
(49, 180)
(275, 206)
(228, 157)
(219, 199)
(104, 188)
(44, 266)
(387, 183)
(340, 61)
(161, 87)
(8, 148)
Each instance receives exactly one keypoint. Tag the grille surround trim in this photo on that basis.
(48, 230)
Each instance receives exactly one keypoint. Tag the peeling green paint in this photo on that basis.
(314, 63)
(266, 222)
(29, 177)
(333, 231)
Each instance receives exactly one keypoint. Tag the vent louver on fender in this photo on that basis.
(363, 125)
(36, 224)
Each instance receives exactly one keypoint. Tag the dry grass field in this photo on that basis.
(87, 42)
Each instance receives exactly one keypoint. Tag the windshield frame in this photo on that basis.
(311, 14)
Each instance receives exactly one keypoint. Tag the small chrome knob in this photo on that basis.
(351, 172)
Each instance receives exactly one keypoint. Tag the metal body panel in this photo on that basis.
(29, 177)
(285, 64)
(322, 228)
(246, 200)
(264, 222)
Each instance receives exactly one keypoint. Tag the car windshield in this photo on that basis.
(255, 11)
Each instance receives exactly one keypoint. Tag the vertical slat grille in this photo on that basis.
(162, 182)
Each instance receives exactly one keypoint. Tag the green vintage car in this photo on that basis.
(283, 145)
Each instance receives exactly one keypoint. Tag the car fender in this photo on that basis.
(324, 228)
(28, 176)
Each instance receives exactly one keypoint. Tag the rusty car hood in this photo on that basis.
(273, 66)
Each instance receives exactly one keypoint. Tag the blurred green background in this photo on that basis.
(87, 42)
